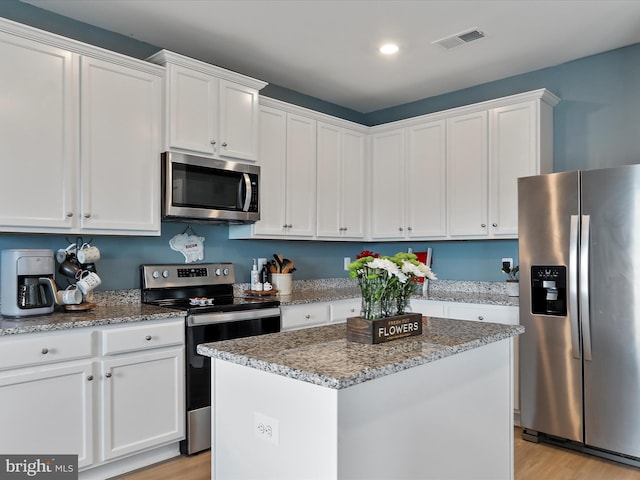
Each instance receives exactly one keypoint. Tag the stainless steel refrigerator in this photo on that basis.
(579, 249)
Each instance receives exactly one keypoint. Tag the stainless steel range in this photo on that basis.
(205, 292)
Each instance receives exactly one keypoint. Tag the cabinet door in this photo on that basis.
(514, 153)
(238, 121)
(119, 149)
(37, 136)
(143, 401)
(301, 176)
(429, 308)
(426, 180)
(329, 182)
(193, 102)
(307, 315)
(48, 409)
(352, 184)
(387, 185)
(467, 174)
(340, 310)
(273, 154)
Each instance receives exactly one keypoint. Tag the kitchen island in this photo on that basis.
(308, 404)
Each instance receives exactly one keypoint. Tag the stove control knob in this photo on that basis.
(165, 274)
(155, 274)
(225, 272)
(218, 272)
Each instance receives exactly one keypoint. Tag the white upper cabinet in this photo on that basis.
(408, 182)
(520, 145)
(119, 153)
(453, 174)
(210, 111)
(467, 174)
(287, 177)
(340, 182)
(37, 136)
(79, 139)
(388, 185)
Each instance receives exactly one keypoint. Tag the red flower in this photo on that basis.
(367, 253)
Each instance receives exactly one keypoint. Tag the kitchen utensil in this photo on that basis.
(88, 281)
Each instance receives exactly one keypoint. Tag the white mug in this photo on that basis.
(88, 254)
(65, 253)
(70, 296)
(88, 281)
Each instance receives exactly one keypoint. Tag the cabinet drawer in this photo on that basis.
(141, 337)
(430, 308)
(343, 309)
(303, 316)
(483, 313)
(33, 349)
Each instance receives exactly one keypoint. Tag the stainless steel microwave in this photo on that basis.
(205, 189)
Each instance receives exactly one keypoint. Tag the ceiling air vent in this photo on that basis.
(459, 38)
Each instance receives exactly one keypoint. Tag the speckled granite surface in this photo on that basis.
(323, 356)
(326, 290)
(101, 315)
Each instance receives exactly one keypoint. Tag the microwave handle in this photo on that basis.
(248, 192)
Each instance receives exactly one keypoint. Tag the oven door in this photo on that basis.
(208, 189)
(206, 328)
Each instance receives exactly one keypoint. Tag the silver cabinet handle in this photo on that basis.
(87, 215)
(224, 144)
(400, 229)
(495, 224)
(480, 317)
(213, 142)
(483, 225)
(410, 229)
(90, 377)
(45, 351)
(69, 214)
(307, 317)
(147, 338)
(108, 375)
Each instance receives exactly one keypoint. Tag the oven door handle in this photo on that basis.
(221, 317)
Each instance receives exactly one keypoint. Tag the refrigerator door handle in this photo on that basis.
(584, 287)
(572, 287)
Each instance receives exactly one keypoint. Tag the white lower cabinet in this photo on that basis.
(61, 393)
(294, 317)
(340, 310)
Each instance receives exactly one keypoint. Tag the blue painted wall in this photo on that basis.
(596, 125)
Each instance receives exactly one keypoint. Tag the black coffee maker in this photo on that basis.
(25, 282)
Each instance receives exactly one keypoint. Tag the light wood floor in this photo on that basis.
(532, 462)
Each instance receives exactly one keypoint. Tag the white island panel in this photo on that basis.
(447, 419)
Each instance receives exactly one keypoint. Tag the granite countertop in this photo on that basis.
(100, 315)
(323, 356)
(332, 289)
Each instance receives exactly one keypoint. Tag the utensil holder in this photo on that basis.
(283, 282)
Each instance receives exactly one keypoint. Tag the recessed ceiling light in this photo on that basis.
(389, 49)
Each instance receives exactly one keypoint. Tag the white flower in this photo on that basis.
(427, 272)
(388, 266)
(411, 269)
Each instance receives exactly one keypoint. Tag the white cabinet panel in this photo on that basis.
(387, 185)
(143, 401)
(119, 150)
(340, 182)
(467, 174)
(238, 121)
(37, 136)
(304, 316)
(48, 409)
(340, 310)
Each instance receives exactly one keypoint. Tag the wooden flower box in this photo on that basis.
(383, 330)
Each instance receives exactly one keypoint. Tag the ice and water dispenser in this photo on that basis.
(549, 290)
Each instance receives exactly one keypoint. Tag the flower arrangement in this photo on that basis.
(387, 283)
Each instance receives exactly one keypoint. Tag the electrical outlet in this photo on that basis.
(347, 261)
(507, 263)
(261, 263)
(266, 428)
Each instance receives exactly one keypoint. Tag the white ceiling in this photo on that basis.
(328, 48)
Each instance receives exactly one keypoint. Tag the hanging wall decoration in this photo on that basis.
(189, 244)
